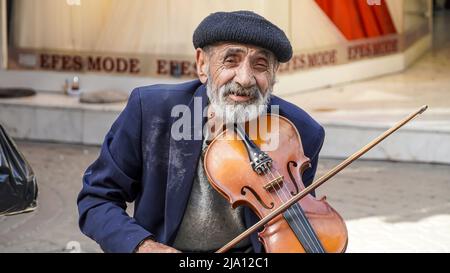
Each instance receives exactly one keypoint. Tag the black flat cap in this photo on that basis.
(244, 27)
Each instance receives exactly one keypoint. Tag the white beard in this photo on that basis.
(230, 111)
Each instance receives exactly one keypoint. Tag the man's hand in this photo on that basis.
(150, 246)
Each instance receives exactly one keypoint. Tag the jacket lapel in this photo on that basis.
(183, 160)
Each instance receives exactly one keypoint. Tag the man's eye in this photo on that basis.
(261, 66)
(230, 60)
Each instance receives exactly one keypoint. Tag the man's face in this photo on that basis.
(240, 79)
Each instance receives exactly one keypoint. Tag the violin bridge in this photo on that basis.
(274, 183)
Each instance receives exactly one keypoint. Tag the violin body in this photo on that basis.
(228, 169)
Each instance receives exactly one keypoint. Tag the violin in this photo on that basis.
(245, 175)
(270, 183)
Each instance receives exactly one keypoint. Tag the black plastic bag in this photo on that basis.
(18, 186)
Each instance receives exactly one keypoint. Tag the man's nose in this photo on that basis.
(244, 76)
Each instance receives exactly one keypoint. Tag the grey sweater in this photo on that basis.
(209, 222)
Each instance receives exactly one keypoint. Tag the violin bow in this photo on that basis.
(320, 181)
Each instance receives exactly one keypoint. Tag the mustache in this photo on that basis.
(235, 89)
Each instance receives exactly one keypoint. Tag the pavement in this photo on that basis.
(391, 206)
(387, 206)
(53, 225)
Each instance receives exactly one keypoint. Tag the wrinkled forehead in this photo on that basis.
(230, 48)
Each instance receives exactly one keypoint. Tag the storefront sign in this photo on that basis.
(184, 66)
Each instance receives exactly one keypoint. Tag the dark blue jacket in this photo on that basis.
(140, 162)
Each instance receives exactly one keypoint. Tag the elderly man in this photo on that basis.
(176, 209)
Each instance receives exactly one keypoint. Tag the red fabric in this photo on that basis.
(326, 6)
(370, 23)
(384, 19)
(356, 19)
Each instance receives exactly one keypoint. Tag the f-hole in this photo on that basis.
(243, 192)
(292, 177)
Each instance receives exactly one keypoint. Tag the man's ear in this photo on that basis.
(201, 62)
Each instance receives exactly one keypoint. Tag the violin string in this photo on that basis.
(309, 240)
(316, 239)
(288, 211)
(303, 221)
(308, 228)
(268, 181)
(310, 237)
